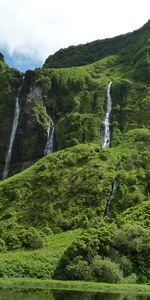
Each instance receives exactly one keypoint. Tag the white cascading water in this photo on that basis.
(13, 134)
(111, 196)
(50, 139)
(106, 136)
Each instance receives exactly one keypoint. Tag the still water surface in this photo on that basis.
(33, 294)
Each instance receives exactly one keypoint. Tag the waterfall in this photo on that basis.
(106, 136)
(113, 191)
(111, 196)
(50, 139)
(13, 133)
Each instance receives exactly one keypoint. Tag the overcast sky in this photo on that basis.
(38, 28)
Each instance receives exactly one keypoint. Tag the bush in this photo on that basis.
(105, 270)
(78, 269)
(128, 238)
(31, 238)
(12, 240)
(2, 245)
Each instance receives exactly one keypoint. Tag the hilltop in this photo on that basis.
(129, 47)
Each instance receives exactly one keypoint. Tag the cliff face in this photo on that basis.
(10, 79)
(73, 98)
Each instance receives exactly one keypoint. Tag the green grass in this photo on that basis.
(74, 286)
(39, 263)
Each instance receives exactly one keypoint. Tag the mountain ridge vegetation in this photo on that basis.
(127, 45)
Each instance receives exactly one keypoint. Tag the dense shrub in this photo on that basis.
(106, 271)
(14, 236)
(31, 238)
(12, 240)
(125, 251)
(78, 269)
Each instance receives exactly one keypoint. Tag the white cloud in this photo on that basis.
(37, 28)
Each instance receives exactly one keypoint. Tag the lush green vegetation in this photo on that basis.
(74, 99)
(74, 185)
(38, 263)
(130, 47)
(108, 254)
(54, 221)
(61, 191)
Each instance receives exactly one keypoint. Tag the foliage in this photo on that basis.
(37, 263)
(105, 270)
(108, 254)
(73, 187)
(60, 191)
(78, 269)
(2, 245)
(14, 236)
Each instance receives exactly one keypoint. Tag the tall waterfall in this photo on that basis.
(13, 133)
(106, 136)
(50, 139)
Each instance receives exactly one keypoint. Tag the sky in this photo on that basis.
(31, 30)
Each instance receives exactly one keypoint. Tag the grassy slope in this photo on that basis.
(39, 263)
(60, 190)
(69, 189)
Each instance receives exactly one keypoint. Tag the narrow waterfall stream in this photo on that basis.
(106, 135)
(50, 139)
(13, 134)
(106, 143)
(111, 196)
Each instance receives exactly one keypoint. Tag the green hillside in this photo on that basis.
(70, 189)
(129, 47)
(81, 212)
(74, 99)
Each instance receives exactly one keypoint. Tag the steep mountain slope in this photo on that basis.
(70, 188)
(74, 99)
(82, 185)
